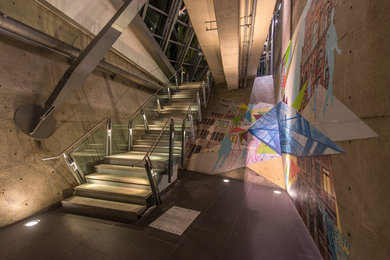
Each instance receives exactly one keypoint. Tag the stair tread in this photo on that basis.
(117, 177)
(114, 190)
(125, 168)
(134, 155)
(107, 204)
(148, 145)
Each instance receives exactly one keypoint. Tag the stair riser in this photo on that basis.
(157, 149)
(150, 137)
(123, 172)
(110, 196)
(162, 143)
(100, 212)
(119, 184)
(127, 162)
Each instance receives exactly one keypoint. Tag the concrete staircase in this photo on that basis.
(119, 188)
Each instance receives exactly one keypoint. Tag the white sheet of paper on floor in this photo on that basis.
(176, 220)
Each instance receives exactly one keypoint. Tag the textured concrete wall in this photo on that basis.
(361, 83)
(28, 75)
(362, 79)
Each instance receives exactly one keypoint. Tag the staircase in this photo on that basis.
(118, 186)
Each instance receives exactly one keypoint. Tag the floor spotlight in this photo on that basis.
(32, 223)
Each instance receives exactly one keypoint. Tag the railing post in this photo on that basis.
(108, 137)
(177, 84)
(181, 76)
(171, 148)
(77, 173)
(152, 181)
(204, 93)
(199, 107)
(192, 126)
(169, 93)
(158, 105)
(145, 120)
(130, 138)
(210, 80)
(183, 139)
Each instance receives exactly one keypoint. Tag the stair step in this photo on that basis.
(158, 148)
(117, 178)
(163, 142)
(113, 193)
(134, 157)
(189, 97)
(153, 136)
(103, 208)
(116, 169)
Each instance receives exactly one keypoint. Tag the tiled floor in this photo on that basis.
(238, 220)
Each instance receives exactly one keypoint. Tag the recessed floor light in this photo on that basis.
(32, 223)
(277, 191)
(226, 180)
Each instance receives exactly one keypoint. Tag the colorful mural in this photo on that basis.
(309, 113)
(306, 73)
(224, 143)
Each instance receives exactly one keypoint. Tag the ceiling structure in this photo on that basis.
(169, 23)
(231, 34)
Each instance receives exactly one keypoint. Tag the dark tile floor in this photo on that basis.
(238, 220)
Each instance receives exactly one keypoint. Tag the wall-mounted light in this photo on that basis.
(226, 180)
(277, 192)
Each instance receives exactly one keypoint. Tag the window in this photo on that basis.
(314, 35)
(326, 78)
(203, 134)
(320, 58)
(317, 173)
(191, 150)
(198, 148)
(223, 123)
(326, 178)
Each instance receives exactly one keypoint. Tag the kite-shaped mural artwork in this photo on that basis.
(286, 131)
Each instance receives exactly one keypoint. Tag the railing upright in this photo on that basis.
(192, 126)
(183, 139)
(199, 107)
(109, 137)
(145, 120)
(152, 181)
(171, 148)
(130, 137)
(204, 93)
(74, 168)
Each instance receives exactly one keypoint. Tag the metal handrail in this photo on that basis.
(92, 130)
(154, 144)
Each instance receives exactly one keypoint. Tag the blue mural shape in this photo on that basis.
(266, 129)
(296, 135)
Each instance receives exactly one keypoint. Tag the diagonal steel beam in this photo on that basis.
(171, 23)
(188, 39)
(39, 123)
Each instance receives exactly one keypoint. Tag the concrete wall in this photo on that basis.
(360, 82)
(28, 75)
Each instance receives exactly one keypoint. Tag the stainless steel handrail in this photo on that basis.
(151, 149)
(92, 130)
